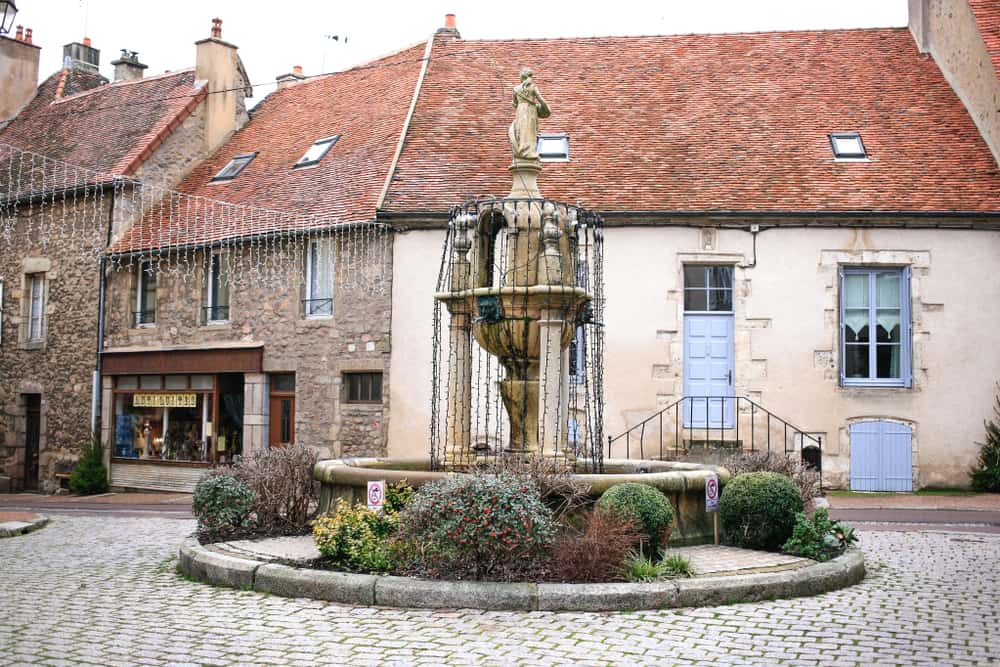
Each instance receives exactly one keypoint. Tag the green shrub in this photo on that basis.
(356, 537)
(757, 510)
(676, 565)
(481, 526)
(985, 476)
(641, 568)
(644, 504)
(223, 506)
(819, 538)
(89, 476)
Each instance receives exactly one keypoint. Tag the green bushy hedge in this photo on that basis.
(643, 504)
(757, 510)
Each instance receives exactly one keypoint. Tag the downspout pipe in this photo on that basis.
(95, 398)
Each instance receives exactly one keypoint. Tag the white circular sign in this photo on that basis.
(375, 494)
(712, 488)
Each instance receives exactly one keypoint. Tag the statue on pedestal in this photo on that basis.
(530, 106)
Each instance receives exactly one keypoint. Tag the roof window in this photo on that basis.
(553, 147)
(317, 151)
(848, 146)
(235, 166)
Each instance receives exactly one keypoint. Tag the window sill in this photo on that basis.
(145, 325)
(874, 384)
(219, 324)
(29, 345)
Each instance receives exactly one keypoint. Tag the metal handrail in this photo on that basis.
(687, 403)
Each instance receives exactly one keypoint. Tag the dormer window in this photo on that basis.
(317, 151)
(848, 146)
(235, 166)
(553, 147)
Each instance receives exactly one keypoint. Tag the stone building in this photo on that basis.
(78, 151)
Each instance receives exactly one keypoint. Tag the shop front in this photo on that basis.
(171, 414)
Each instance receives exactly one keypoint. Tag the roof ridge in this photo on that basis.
(121, 84)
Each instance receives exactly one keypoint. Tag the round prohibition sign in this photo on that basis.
(712, 489)
(375, 494)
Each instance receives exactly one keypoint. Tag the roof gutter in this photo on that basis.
(406, 124)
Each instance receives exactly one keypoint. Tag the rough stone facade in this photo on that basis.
(317, 350)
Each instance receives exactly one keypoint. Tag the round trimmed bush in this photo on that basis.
(645, 505)
(757, 510)
(222, 504)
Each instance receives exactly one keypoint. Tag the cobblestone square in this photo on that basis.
(103, 590)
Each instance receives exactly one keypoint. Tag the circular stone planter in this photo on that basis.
(13, 524)
(204, 564)
(683, 483)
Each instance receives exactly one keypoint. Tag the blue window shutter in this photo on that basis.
(907, 330)
(840, 328)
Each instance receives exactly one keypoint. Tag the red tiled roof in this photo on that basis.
(108, 128)
(987, 13)
(366, 106)
(702, 122)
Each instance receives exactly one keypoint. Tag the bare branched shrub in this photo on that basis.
(597, 552)
(806, 480)
(560, 489)
(286, 493)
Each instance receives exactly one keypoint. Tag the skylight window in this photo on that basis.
(317, 151)
(848, 146)
(235, 166)
(553, 147)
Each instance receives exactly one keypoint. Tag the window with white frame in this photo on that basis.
(319, 279)
(145, 294)
(234, 167)
(553, 147)
(317, 151)
(217, 290)
(875, 326)
(36, 307)
(578, 345)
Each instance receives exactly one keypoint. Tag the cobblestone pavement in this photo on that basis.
(104, 591)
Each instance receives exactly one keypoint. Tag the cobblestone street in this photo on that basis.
(103, 591)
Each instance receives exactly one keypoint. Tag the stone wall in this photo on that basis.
(319, 350)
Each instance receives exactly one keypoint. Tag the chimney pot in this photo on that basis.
(86, 41)
(297, 70)
(19, 36)
(27, 35)
(449, 22)
(217, 28)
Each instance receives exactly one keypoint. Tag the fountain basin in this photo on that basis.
(682, 483)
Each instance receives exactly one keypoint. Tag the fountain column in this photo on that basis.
(459, 424)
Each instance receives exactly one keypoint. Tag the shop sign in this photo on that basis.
(164, 400)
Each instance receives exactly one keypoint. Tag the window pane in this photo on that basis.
(127, 382)
(283, 382)
(721, 276)
(376, 386)
(856, 361)
(887, 290)
(202, 381)
(887, 360)
(695, 299)
(888, 326)
(176, 382)
(150, 382)
(320, 278)
(856, 290)
(848, 146)
(694, 276)
(720, 299)
(856, 326)
(286, 420)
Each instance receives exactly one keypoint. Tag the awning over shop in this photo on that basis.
(147, 361)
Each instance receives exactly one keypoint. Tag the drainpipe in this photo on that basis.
(95, 398)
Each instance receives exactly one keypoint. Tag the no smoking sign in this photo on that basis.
(712, 493)
(376, 495)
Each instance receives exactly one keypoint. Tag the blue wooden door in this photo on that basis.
(881, 457)
(708, 371)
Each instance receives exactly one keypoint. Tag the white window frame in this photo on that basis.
(848, 157)
(214, 263)
(905, 378)
(562, 156)
(36, 308)
(141, 295)
(323, 144)
(314, 310)
(234, 167)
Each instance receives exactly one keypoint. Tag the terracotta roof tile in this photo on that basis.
(703, 122)
(104, 127)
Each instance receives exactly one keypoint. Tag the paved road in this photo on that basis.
(102, 590)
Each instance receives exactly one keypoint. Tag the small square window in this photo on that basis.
(317, 151)
(848, 146)
(235, 166)
(553, 147)
(363, 387)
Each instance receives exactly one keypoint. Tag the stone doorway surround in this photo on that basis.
(16, 464)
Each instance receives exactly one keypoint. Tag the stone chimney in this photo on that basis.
(128, 67)
(217, 64)
(18, 73)
(293, 78)
(82, 56)
(450, 27)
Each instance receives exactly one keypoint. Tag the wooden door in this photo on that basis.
(32, 430)
(282, 420)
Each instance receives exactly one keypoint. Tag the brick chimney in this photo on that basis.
(450, 27)
(217, 64)
(18, 73)
(82, 56)
(128, 67)
(291, 79)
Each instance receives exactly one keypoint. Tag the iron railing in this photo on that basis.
(733, 419)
